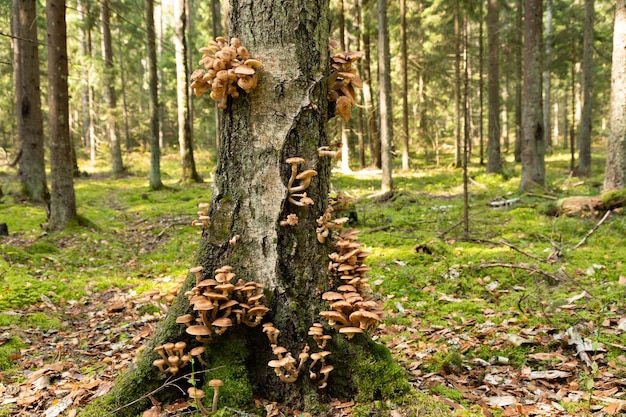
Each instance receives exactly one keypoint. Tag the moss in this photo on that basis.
(41, 248)
(613, 199)
(228, 363)
(8, 349)
(378, 377)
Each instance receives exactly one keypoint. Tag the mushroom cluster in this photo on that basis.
(352, 311)
(203, 216)
(173, 357)
(197, 395)
(342, 80)
(285, 365)
(226, 66)
(297, 194)
(221, 302)
(326, 223)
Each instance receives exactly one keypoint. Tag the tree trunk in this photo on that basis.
(158, 32)
(155, 149)
(405, 87)
(32, 169)
(109, 86)
(458, 151)
(217, 30)
(360, 105)
(546, 76)
(384, 94)
(584, 131)
(185, 141)
(85, 56)
(519, 80)
(615, 172)
(494, 158)
(533, 145)
(343, 127)
(368, 92)
(63, 200)
(284, 117)
(127, 141)
(481, 139)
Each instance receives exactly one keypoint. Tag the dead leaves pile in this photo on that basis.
(561, 367)
(60, 370)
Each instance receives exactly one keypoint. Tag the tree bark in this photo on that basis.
(533, 144)
(155, 149)
(283, 117)
(117, 165)
(384, 94)
(615, 172)
(63, 200)
(481, 82)
(494, 158)
(343, 127)
(185, 140)
(584, 131)
(32, 169)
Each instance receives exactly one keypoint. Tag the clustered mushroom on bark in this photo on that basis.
(342, 80)
(203, 216)
(173, 357)
(220, 302)
(226, 66)
(297, 194)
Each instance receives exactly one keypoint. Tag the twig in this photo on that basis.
(528, 268)
(515, 248)
(379, 229)
(593, 229)
(449, 229)
(548, 197)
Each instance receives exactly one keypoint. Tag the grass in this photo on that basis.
(139, 239)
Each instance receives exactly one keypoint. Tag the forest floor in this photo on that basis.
(522, 314)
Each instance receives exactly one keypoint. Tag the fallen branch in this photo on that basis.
(511, 246)
(531, 269)
(593, 229)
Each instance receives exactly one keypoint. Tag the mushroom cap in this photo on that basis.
(216, 383)
(243, 69)
(309, 173)
(350, 331)
(274, 363)
(279, 350)
(196, 269)
(341, 305)
(198, 330)
(198, 350)
(195, 393)
(258, 310)
(185, 318)
(229, 304)
(222, 322)
(225, 287)
(180, 345)
(294, 160)
(253, 63)
(326, 369)
(334, 316)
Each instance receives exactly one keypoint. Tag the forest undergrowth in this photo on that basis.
(521, 315)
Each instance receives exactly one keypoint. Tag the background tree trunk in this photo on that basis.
(533, 145)
(32, 169)
(405, 87)
(494, 158)
(519, 25)
(284, 117)
(384, 93)
(481, 82)
(546, 76)
(615, 173)
(458, 150)
(368, 92)
(185, 140)
(63, 200)
(109, 86)
(155, 149)
(584, 131)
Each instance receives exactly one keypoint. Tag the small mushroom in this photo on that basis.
(350, 332)
(197, 353)
(197, 395)
(215, 384)
(179, 348)
(198, 271)
(159, 364)
(291, 220)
